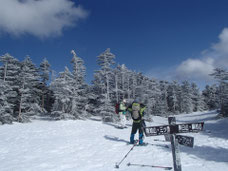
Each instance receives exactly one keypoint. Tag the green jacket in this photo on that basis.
(122, 108)
(142, 108)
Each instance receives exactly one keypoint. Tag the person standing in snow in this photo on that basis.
(137, 112)
(122, 113)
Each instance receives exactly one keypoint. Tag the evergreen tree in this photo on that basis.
(92, 101)
(186, 97)
(102, 84)
(222, 76)
(70, 91)
(163, 98)
(6, 109)
(29, 92)
(197, 100)
(172, 97)
(9, 73)
(151, 95)
(63, 93)
(211, 97)
(117, 89)
(79, 97)
(44, 74)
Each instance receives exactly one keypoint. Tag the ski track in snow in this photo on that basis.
(91, 145)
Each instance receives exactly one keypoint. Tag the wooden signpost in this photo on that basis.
(170, 131)
(185, 140)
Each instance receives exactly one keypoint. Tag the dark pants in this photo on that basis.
(135, 127)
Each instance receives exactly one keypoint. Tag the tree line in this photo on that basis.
(28, 91)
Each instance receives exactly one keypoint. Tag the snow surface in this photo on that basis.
(91, 145)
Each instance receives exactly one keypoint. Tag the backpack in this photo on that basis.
(135, 111)
(117, 108)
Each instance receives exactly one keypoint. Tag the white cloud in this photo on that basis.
(41, 18)
(222, 46)
(195, 69)
(220, 50)
(200, 68)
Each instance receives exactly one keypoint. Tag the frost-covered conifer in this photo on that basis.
(79, 100)
(29, 92)
(211, 97)
(62, 89)
(6, 109)
(186, 98)
(70, 91)
(44, 74)
(9, 73)
(222, 76)
(172, 98)
(102, 83)
(197, 99)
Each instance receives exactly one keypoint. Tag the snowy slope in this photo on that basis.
(92, 145)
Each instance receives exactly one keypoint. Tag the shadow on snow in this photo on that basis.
(218, 129)
(208, 153)
(113, 138)
(117, 139)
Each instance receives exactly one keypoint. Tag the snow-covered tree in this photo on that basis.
(172, 97)
(44, 74)
(6, 109)
(29, 92)
(163, 98)
(152, 93)
(211, 97)
(186, 98)
(197, 99)
(10, 68)
(102, 80)
(79, 98)
(9, 73)
(62, 89)
(117, 89)
(92, 102)
(122, 83)
(70, 91)
(222, 76)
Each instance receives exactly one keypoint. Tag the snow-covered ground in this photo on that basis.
(91, 145)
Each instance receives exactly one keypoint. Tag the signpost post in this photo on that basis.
(171, 131)
(175, 148)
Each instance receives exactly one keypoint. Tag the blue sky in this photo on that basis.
(165, 39)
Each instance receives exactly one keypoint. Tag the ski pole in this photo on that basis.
(118, 164)
(146, 165)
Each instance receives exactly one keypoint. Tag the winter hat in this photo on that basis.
(137, 100)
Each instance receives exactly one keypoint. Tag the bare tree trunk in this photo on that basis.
(5, 70)
(128, 89)
(107, 82)
(19, 114)
(20, 106)
(43, 102)
(117, 96)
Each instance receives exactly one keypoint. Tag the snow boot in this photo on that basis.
(132, 141)
(143, 144)
(140, 139)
